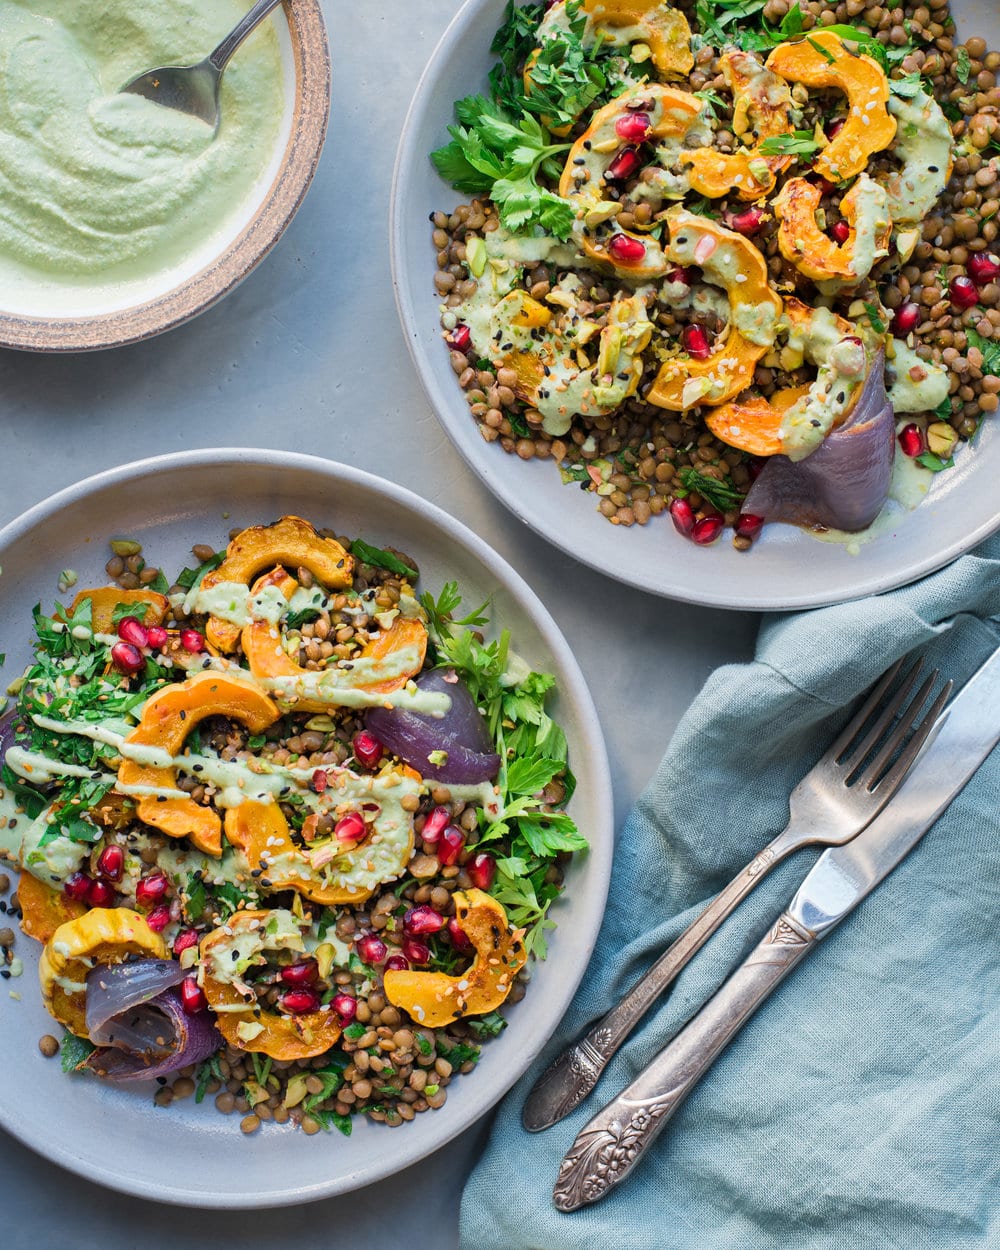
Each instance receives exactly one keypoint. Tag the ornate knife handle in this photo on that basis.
(610, 1146)
(571, 1077)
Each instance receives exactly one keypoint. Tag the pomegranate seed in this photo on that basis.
(626, 163)
(451, 846)
(963, 291)
(633, 127)
(458, 936)
(415, 951)
(345, 1006)
(748, 222)
(299, 1002)
(626, 250)
(688, 276)
(151, 889)
(747, 525)
(905, 319)
(482, 869)
(192, 640)
(421, 920)
(835, 127)
(156, 637)
(159, 918)
(131, 629)
(460, 339)
(695, 342)
(840, 231)
(983, 267)
(367, 749)
(755, 468)
(371, 949)
(398, 963)
(682, 516)
(127, 659)
(185, 940)
(192, 999)
(77, 886)
(826, 187)
(911, 441)
(303, 973)
(434, 824)
(707, 530)
(111, 862)
(350, 828)
(101, 894)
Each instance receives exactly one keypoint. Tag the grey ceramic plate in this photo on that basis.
(191, 1154)
(787, 568)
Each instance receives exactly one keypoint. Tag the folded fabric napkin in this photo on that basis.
(860, 1108)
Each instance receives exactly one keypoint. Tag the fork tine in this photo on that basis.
(857, 722)
(859, 748)
(909, 752)
(868, 775)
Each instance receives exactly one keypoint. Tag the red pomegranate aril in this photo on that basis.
(451, 845)
(127, 659)
(421, 920)
(626, 163)
(77, 886)
(303, 973)
(131, 629)
(905, 319)
(747, 525)
(633, 127)
(688, 276)
(371, 949)
(963, 291)
(458, 936)
(156, 637)
(346, 1007)
(415, 951)
(367, 749)
(707, 530)
(835, 127)
(185, 940)
(192, 640)
(149, 890)
(840, 231)
(460, 339)
(695, 340)
(983, 267)
(159, 918)
(434, 825)
(350, 828)
(911, 441)
(626, 250)
(482, 869)
(299, 1002)
(111, 862)
(397, 963)
(192, 998)
(748, 222)
(101, 894)
(826, 187)
(682, 516)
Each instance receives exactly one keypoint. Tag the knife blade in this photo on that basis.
(608, 1148)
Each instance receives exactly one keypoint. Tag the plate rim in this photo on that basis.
(599, 855)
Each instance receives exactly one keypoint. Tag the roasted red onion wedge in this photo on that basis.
(845, 481)
(455, 749)
(114, 989)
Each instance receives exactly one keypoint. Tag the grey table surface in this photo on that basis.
(307, 355)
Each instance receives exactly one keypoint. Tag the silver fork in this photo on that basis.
(841, 794)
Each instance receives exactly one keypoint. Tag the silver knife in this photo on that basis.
(613, 1142)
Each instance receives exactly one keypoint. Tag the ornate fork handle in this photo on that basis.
(610, 1146)
(571, 1077)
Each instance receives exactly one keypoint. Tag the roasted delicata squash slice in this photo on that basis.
(149, 606)
(866, 210)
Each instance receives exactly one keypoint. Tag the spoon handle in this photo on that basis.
(220, 57)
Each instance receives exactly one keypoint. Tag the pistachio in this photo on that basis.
(475, 256)
(602, 211)
(125, 547)
(941, 438)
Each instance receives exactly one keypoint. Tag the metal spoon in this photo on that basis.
(194, 89)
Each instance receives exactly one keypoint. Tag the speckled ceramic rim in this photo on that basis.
(311, 53)
(328, 1167)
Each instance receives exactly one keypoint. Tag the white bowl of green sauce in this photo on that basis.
(120, 218)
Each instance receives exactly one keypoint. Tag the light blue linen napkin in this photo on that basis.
(860, 1108)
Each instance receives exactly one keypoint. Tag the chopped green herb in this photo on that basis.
(74, 1052)
(825, 53)
(381, 559)
(354, 1031)
(189, 578)
(721, 495)
(934, 463)
(990, 349)
(962, 65)
(801, 143)
(875, 318)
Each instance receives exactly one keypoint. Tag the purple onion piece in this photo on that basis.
(844, 483)
(461, 733)
(7, 731)
(186, 1040)
(113, 989)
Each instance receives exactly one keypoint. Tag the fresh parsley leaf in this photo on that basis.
(491, 1025)
(382, 559)
(908, 86)
(188, 578)
(204, 1075)
(73, 1052)
(935, 463)
(713, 17)
(816, 46)
(990, 349)
(228, 898)
(721, 495)
(875, 318)
(801, 143)
(714, 101)
(943, 410)
(354, 1031)
(294, 620)
(195, 898)
(963, 65)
